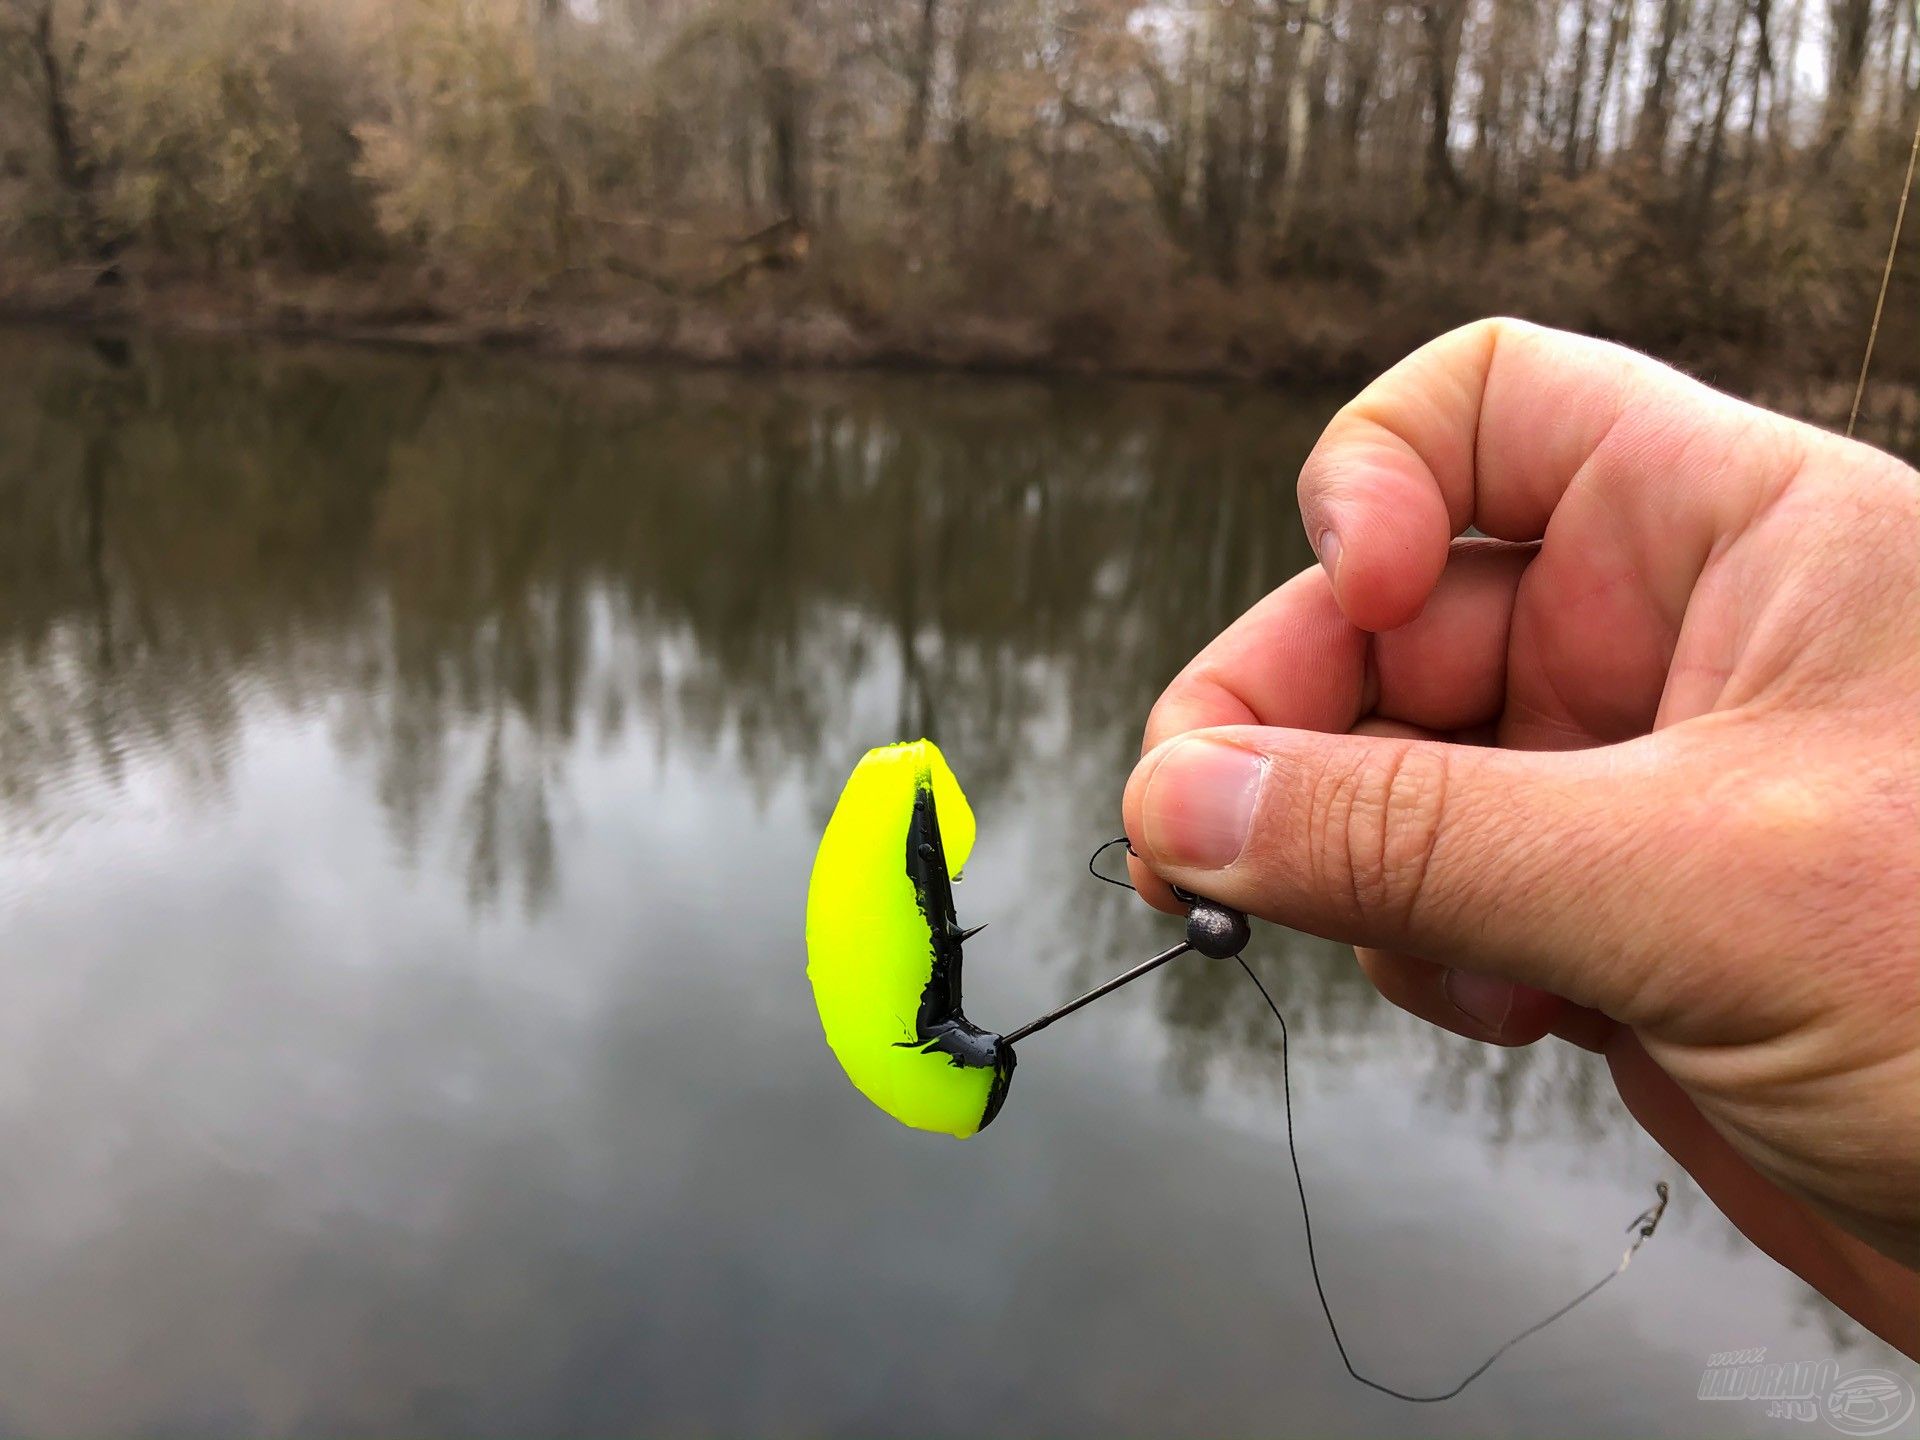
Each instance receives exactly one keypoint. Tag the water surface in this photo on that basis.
(409, 770)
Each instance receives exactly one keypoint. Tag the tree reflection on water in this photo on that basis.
(470, 568)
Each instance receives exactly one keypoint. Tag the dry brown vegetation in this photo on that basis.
(1271, 187)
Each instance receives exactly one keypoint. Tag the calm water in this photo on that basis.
(409, 772)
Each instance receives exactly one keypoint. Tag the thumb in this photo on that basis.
(1567, 870)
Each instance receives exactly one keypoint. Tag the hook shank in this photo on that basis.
(1173, 953)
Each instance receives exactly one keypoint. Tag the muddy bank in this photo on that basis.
(1328, 339)
(775, 326)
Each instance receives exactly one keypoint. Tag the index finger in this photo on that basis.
(1293, 660)
(1500, 425)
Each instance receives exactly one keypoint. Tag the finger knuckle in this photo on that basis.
(1384, 814)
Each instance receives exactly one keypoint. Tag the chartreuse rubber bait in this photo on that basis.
(883, 946)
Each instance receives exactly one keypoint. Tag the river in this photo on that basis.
(411, 770)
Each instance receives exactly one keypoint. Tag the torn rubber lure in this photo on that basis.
(883, 946)
(883, 952)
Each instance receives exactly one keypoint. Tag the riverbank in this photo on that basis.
(780, 322)
(1318, 336)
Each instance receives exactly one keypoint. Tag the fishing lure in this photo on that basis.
(884, 955)
(883, 946)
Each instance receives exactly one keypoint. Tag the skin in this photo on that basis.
(1642, 771)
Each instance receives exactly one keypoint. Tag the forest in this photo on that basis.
(1292, 190)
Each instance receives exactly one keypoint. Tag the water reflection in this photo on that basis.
(410, 770)
(471, 569)
(441, 552)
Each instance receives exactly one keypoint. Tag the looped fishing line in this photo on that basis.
(1641, 1227)
(1093, 862)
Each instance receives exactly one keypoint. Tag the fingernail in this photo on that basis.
(1483, 999)
(1198, 809)
(1328, 549)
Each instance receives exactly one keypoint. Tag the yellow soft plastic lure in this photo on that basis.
(883, 946)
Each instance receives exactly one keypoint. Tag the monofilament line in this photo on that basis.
(1886, 279)
(1641, 1227)
(1644, 1224)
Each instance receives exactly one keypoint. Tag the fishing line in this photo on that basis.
(1886, 274)
(1093, 862)
(1641, 1227)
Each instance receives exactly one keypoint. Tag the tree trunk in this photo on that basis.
(1570, 151)
(1852, 25)
(1656, 105)
(921, 80)
(784, 135)
(1362, 77)
(1442, 20)
(1717, 128)
(1298, 114)
(73, 167)
(1619, 29)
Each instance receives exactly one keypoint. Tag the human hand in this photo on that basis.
(1641, 771)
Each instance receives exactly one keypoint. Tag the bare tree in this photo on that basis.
(57, 53)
